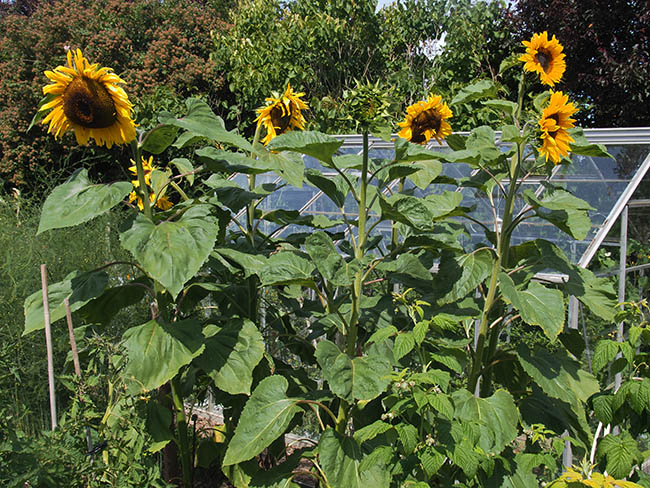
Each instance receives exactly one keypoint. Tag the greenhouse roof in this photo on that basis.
(606, 184)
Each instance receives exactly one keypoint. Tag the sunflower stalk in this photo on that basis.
(137, 157)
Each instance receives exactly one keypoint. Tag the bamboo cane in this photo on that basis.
(48, 345)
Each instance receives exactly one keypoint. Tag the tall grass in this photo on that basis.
(23, 367)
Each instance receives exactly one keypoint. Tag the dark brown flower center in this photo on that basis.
(429, 119)
(280, 118)
(87, 103)
(544, 57)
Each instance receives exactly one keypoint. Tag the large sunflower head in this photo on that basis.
(554, 124)
(88, 100)
(426, 119)
(545, 57)
(282, 114)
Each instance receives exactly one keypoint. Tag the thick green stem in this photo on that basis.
(394, 230)
(143, 190)
(503, 251)
(357, 289)
(182, 437)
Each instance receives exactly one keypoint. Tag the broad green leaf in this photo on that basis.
(288, 217)
(426, 173)
(156, 351)
(408, 151)
(266, 416)
(200, 121)
(184, 167)
(404, 344)
(558, 375)
(328, 261)
(509, 108)
(78, 288)
(334, 187)
(360, 378)
(478, 90)
(420, 213)
(285, 268)
(102, 309)
(380, 335)
(510, 133)
(78, 200)
(621, 453)
(537, 304)
(229, 194)
(250, 264)
(603, 408)
(158, 423)
(159, 138)
(605, 352)
(219, 161)
(408, 437)
(172, 251)
(566, 212)
(340, 458)
(315, 144)
(431, 460)
(405, 264)
(287, 165)
(231, 353)
(441, 404)
(460, 275)
(497, 415)
(482, 140)
(583, 147)
(371, 431)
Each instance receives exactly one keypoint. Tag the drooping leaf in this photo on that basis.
(537, 304)
(103, 308)
(285, 268)
(478, 90)
(420, 213)
(328, 261)
(497, 415)
(360, 378)
(78, 288)
(340, 458)
(605, 352)
(200, 121)
(156, 351)
(231, 353)
(266, 416)
(459, 275)
(172, 251)
(558, 375)
(159, 138)
(315, 144)
(78, 200)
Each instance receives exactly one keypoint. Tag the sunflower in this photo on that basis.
(555, 120)
(282, 114)
(545, 57)
(88, 100)
(426, 119)
(162, 202)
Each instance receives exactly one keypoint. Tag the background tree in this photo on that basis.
(159, 48)
(608, 54)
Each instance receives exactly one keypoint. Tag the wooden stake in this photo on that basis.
(77, 365)
(48, 345)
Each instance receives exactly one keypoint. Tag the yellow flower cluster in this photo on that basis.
(162, 202)
(544, 56)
